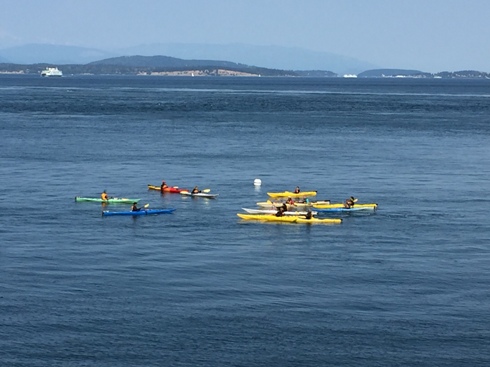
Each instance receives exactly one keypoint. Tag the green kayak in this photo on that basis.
(109, 201)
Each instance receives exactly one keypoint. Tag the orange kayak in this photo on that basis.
(174, 189)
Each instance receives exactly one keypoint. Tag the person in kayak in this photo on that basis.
(303, 201)
(297, 190)
(134, 208)
(290, 201)
(349, 203)
(104, 195)
(163, 186)
(309, 214)
(280, 212)
(195, 190)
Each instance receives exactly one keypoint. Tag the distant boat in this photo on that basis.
(51, 72)
(350, 76)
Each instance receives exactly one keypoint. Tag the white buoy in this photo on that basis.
(257, 182)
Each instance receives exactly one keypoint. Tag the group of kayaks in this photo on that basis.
(298, 208)
(145, 210)
(303, 210)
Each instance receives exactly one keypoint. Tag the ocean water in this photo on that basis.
(407, 285)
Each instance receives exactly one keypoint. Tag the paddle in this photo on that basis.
(146, 206)
(206, 190)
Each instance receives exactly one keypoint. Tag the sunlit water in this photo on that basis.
(405, 286)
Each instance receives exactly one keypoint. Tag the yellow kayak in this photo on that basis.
(268, 217)
(288, 219)
(270, 204)
(318, 220)
(274, 211)
(372, 206)
(289, 194)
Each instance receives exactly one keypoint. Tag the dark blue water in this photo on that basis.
(405, 286)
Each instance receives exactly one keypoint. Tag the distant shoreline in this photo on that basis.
(117, 70)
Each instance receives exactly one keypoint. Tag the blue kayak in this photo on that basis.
(139, 212)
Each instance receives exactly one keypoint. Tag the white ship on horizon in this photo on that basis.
(51, 72)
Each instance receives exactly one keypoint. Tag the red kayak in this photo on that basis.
(174, 190)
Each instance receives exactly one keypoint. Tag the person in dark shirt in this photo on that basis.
(195, 190)
(280, 212)
(134, 208)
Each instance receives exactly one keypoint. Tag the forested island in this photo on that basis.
(170, 66)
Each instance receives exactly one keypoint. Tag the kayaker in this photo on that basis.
(104, 196)
(163, 186)
(280, 212)
(309, 214)
(349, 203)
(290, 201)
(297, 190)
(284, 207)
(195, 190)
(134, 208)
(303, 201)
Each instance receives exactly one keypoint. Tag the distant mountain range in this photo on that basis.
(272, 57)
(76, 60)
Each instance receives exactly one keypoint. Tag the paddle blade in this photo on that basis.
(146, 206)
(206, 190)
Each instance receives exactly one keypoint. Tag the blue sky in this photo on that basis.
(429, 35)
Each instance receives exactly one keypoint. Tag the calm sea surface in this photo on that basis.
(408, 285)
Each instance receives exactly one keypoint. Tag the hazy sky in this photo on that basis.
(429, 35)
